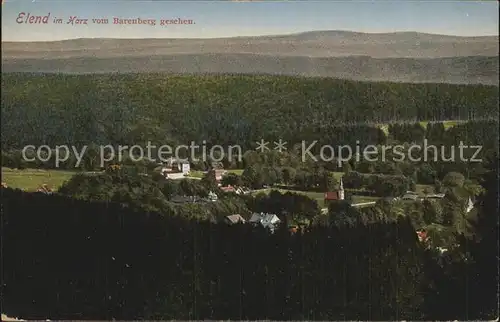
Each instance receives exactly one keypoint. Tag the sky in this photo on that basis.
(224, 18)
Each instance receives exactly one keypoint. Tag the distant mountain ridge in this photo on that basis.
(399, 56)
(312, 44)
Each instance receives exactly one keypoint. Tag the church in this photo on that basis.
(336, 195)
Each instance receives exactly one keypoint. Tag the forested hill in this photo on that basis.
(453, 70)
(99, 261)
(400, 56)
(57, 109)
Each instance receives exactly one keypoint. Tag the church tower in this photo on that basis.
(341, 190)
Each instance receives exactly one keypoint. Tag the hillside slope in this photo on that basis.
(227, 109)
(309, 44)
(458, 70)
(401, 57)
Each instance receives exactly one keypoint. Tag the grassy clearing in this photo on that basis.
(236, 171)
(449, 124)
(446, 124)
(423, 188)
(320, 196)
(385, 129)
(196, 174)
(363, 199)
(32, 179)
(337, 175)
(200, 174)
(424, 124)
(239, 172)
(7, 318)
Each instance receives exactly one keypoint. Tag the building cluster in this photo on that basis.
(413, 196)
(236, 190)
(424, 238)
(266, 220)
(175, 168)
(212, 197)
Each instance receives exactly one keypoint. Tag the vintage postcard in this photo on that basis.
(250, 160)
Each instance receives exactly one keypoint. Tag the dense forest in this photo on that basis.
(66, 258)
(117, 243)
(222, 109)
(115, 263)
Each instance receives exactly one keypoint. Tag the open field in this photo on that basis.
(424, 124)
(32, 179)
(236, 171)
(337, 175)
(423, 189)
(447, 124)
(200, 174)
(363, 199)
(196, 174)
(318, 196)
(384, 128)
(7, 318)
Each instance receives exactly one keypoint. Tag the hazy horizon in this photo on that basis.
(258, 35)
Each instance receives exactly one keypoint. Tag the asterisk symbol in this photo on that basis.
(262, 146)
(280, 146)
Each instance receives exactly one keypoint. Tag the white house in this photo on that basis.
(410, 196)
(341, 190)
(175, 168)
(470, 206)
(178, 165)
(172, 175)
(270, 221)
(234, 219)
(266, 220)
(185, 167)
(212, 196)
(435, 196)
(256, 218)
(240, 191)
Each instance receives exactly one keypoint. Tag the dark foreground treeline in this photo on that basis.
(68, 259)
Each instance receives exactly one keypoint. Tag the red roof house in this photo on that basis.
(422, 236)
(228, 189)
(335, 195)
(332, 195)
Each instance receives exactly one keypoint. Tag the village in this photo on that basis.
(176, 169)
